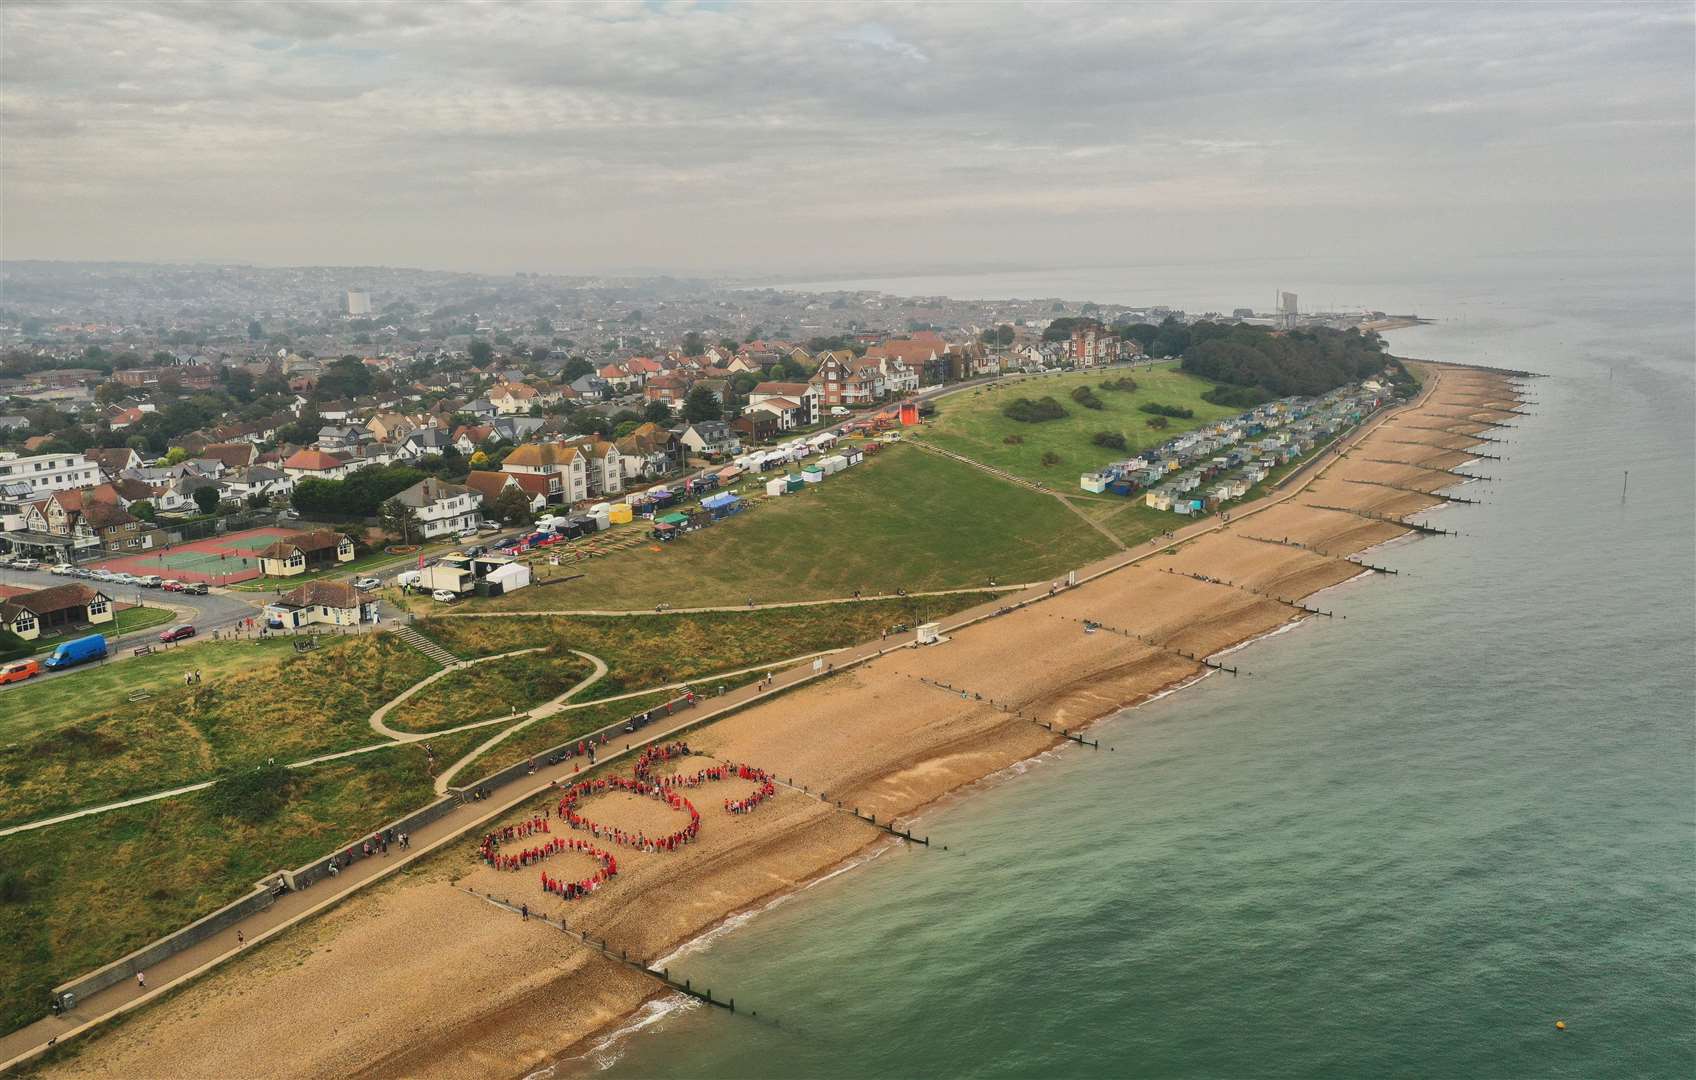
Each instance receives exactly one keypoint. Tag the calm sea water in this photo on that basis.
(1406, 845)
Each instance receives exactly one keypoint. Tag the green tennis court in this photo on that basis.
(217, 560)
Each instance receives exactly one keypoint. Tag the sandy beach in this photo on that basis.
(418, 977)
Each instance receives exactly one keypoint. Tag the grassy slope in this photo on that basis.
(972, 423)
(39, 706)
(490, 689)
(316, 702)
(652, 650)
(904, 519)
(78, 895)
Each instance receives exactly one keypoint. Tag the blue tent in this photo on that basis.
(722, 504)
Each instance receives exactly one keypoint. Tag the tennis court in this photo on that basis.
(217, 560)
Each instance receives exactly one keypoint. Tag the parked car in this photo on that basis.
(475, 550)
(19, 670)
(177, 633)
(150, 581)
(171, 585)
(467, 536)
(122, 578)
(104, 575)
(6, 560)
(446, 596)
(63, 569)
(367, 583)
(26, 564)
(80, 651)
(488, 529)
(195, 588)
(509, 542)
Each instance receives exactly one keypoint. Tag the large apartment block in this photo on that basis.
(47, 473)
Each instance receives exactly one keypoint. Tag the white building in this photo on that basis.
(443, 509)
(358, 303)
(47, 473)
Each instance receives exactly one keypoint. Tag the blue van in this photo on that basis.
(80, 651)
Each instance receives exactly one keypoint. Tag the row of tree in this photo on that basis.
(1304, 362)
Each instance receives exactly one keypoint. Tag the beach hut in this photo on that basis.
(1094, 483)
(794, 482)
(729, 473)
(777, 486)
(833, 464)
(812, 474)
(853, 455)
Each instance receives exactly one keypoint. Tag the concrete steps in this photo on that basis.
(425, 645)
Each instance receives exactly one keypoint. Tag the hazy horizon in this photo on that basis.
(824, 140)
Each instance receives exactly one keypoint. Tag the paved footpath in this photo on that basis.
(292, 908)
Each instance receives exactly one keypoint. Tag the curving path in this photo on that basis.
(538, 713)
(745, 607)
(383, 710)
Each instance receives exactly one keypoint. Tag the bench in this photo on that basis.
(143, 650)
(139, 695)
(305, 644)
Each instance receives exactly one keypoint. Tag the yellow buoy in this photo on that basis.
(1560, 1025)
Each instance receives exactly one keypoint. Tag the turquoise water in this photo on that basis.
(1406, 845)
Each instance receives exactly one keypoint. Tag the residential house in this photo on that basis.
(709, 438)
(469, 438)
(113, 461)
(424, 442)
(443, 509)
(756, 426)
(303, 552)
(841, 382)
(257, 480)
(619, 378)
(55, 610)
(315, 465)
(668, 390)
(237, 455)
(798, 403)
(492, 485)
(389, 427)
(1092, 346)
(557, 472)
(604, 465)
(591, 387)
(648, 452)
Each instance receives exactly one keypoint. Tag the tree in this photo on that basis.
(511, 507)
(656, 412)
(539, 353)
(239, 383)
(694, 344)
(176, 456)
(207, 498)
(544, 325)
(625, 428)
(701, 404)
(143, 509)
(998, 335)
(576, 368)
(481, 353)
(479, 460)
(400, 521)
(345, 378)
(255, 332)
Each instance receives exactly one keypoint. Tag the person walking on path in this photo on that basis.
(524, 910)
(141, 979)
(241, 939)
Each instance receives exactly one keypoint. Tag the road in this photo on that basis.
(214, 611)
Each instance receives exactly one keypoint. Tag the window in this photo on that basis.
(97, 606)
(25, 624)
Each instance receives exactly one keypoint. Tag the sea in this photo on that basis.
(1414, 838)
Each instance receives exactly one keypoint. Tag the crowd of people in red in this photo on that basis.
(655, 754)
(491, 852)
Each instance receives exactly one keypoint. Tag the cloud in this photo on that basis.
(739, 135)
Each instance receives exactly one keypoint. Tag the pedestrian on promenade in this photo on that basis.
(524, 910)
(141, 979)
(241, 939)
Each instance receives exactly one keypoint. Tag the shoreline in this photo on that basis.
(900, 766)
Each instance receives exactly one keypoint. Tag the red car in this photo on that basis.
(177, 633)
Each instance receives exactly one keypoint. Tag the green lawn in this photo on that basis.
(901, 519)
(340, 570)
(123, 621)
(653, 650)
(316, 702)
(972, 423)
(46, 704)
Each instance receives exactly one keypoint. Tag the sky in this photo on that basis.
(774, 138)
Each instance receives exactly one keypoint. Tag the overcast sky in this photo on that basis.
(856, 136)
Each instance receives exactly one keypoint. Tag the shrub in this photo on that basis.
(1084, 396)
(1014, 440)
(1236, 397)
(1175, 411)
(1027, 411)
(1159, 423)
(252, 795)
(1126, 384)
(1110, 439)
(1050, 458)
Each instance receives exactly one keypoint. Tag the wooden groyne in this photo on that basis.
(1013, 710)
(1427, 530)
(836, 804)
(622, 956)
(1310, 549)
(1096, 624)
(1432, 468)
(1298, 605)
(1512, 373)
(1417, 491)
(1474, 420)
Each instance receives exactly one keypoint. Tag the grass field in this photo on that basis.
(44, 705)
(902, 519)
(123, 621)
(972, 423)
(311, 703)
(78, 895)
(491, 689)
(653, 650)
